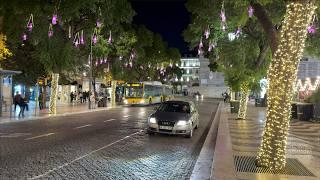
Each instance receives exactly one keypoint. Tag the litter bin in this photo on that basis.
(102, 102)
(305, 111)
(234, 106)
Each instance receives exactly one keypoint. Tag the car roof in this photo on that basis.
(176, 102)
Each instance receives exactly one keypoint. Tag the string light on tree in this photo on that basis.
(282, 74)
(243, 100)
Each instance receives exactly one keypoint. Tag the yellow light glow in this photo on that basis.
(282, 74)
(54, 93)
(244, 100)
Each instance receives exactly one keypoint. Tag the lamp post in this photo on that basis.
(90, 71)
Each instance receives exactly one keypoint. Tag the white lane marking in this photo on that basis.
(109, 120)
(79, 127)
(14, 135)
(43, 135)
(81, 157)
(126, 116)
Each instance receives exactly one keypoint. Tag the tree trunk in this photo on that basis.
(243, 100)
(113, 92)
(54, 93)
(281, 77)
(44, 97)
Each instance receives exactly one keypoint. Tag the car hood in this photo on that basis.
(171, 116)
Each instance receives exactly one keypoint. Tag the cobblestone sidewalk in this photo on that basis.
(303, 143)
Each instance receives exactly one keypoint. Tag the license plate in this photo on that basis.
(165, 127)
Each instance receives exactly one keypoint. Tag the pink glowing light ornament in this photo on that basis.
(54, 19)
(50, 31)
(76, 40)
(223, 16)
(24, 37)
(94, 39)
(250, 11)
(207, 33)
(82, 38)
(312, 29)
(96, 63)
(238, 32)
(98, 24)
(30, 23)
(110, 38)
(199, 51)
(105, 60)
(201, 43)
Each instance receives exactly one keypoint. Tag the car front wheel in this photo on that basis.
(190, 134)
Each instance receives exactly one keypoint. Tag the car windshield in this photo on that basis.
(175, 107)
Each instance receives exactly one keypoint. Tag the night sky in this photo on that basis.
(167, 17)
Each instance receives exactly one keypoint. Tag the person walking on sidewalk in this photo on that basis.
(22, 105)
(71, 97)
(40, 101)
(16, 100)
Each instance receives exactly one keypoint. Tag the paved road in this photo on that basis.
(108, 144)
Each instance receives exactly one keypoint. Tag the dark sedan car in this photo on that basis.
(174, 117)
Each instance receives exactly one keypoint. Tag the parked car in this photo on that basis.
(174, 117)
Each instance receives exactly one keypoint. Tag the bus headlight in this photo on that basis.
(142, 101)
(125, 101)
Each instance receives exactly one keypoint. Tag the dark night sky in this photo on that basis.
(167, 17)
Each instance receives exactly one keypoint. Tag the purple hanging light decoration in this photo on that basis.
(207, 32)
(238, 32)
(24, 37)
(50, 31)
(120, 57)
(312, 29)
(223, 18)
(76, 40)
(149, 65)
(110, 38)
(94, 39)
(171, 65)
(69, 35)
(82, 38)
(54, 19)
(30, 23)
(105, 60)
(98, 24)
(201, 43)
(250, 11)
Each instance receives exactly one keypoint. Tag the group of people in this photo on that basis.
(22, 102)
(81, 97)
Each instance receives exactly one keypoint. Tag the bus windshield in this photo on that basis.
(134, 91)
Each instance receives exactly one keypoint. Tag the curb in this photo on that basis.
(8, 120)
(204, 164)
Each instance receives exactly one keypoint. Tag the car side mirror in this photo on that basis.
(155, 108)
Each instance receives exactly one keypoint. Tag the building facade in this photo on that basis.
(197, 77)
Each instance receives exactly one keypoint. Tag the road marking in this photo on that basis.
(109, 120)
(14, 135)
(43, 135)
(83, 126)
(81, 157)
(126, 116)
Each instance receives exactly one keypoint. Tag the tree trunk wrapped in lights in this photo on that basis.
(113, 92)
(243, 100)
(54, 93)
(281, 77)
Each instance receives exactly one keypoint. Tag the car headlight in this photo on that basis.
(182, 123)
(152, 120)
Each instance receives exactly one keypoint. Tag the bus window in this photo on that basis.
(135, 91)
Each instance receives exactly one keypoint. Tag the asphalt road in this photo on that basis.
(109, 144)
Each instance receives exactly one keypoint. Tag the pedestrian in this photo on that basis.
(22, 105)
(26, 101)
(40, 100)
(16, 100)
(81, 97)
(71, 97)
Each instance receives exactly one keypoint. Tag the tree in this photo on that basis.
(56, 52)
(4, 51)
(285, 56)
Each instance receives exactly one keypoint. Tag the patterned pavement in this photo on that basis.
(303, 142)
